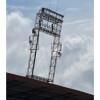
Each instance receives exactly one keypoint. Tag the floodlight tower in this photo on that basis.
(48, 22)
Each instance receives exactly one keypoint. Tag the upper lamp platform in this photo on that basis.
(51, 16)
(49, 22)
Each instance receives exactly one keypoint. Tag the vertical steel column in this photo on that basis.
(54, 55)
(33, 41)
(35, 52)
(55, 52)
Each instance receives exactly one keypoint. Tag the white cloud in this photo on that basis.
(77, 56)
(18, 30)
(73, 9)
(19, 7)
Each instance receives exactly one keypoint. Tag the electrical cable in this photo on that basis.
(40, 61)
(57, 5)
(50, 4)
(43, 58)
(46, 53)
(44, 47)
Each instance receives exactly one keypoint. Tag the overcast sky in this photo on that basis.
(75, 67)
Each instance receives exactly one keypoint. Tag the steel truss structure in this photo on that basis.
(49, 22)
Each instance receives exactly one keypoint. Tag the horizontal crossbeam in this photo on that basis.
(39, 78)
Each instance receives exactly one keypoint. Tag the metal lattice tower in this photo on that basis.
(48, 22)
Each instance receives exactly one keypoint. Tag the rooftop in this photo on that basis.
(22, 88)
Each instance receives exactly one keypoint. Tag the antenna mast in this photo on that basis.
(49, 22)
